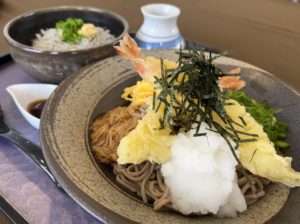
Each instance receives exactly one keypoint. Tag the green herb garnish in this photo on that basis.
(264, 115)
(69, 29)
(190, 94)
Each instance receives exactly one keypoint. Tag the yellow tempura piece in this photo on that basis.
(139, 94)
(260, 157)
(146, 142)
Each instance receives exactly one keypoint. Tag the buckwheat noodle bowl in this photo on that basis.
(191, 140)
(93, 184)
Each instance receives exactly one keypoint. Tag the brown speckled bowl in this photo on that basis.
(54, 66)
(96, 89)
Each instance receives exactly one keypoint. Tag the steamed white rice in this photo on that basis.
(50, 40)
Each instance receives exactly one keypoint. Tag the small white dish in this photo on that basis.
(24, 94)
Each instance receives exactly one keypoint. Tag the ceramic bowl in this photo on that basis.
(65, 142)
(24, 94)
(53, 66)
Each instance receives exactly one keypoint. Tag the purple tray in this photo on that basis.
(22, 183)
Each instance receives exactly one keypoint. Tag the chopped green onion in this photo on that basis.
(69, 29)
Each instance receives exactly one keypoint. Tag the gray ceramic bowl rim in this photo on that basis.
(27, 48)
(88, 203)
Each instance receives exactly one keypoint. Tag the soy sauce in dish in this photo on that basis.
(36, 107)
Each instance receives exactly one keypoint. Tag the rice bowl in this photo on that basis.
(50, 40)
(52, 66)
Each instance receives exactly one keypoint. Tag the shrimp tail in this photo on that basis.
(232, 82)
(147, 68)
(128, 48)
(236, 70)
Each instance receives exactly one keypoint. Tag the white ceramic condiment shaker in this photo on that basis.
(159, 29)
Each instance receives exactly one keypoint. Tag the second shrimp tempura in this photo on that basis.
(149, 67)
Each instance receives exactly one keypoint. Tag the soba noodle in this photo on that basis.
(146, 179)
(253, 189)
